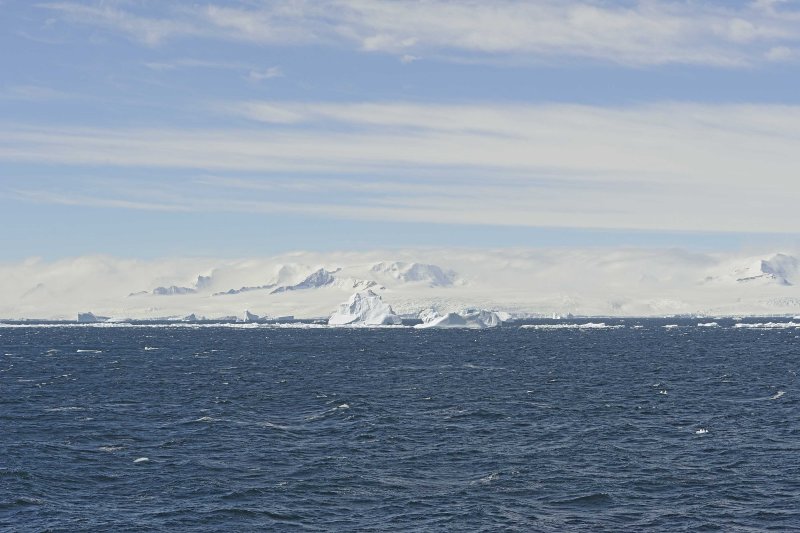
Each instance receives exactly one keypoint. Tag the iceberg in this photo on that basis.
(90, 318)
(469, 318)
(250, 317)
(364, 308)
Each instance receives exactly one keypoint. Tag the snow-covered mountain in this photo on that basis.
(431, 275)
(606, 282)
(775, 269)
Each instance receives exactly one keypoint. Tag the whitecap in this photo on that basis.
(701, 431)
(344, 406)
(142, 460)
(110, 448)
(149, 348)
(707, 325)
(777, 395)
(494, 476)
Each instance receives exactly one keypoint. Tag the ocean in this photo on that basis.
(625, 426)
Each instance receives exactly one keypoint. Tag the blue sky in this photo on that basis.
(247, 128)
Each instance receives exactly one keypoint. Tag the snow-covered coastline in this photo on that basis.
(512, 283)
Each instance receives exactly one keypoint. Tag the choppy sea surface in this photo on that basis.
(639, 427)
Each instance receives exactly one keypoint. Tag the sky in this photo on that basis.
(232, 129)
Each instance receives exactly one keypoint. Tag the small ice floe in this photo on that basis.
(88, 351)
(663, 391)
(141, 460)
(344, 406)
(586, 326)
(767, 325)
(708, 325)
(701, 431)
(150, 348)
(777, 395)
(670, 326)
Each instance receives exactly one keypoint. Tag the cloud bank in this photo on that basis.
(660, 166)
(527, 281)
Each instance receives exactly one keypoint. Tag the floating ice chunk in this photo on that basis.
(250, 317)
(141, 460)
(767, 325)
(588, 325)
(470, 318)
(90, 318)
(504, 316)
(364, 308)
(701, 431)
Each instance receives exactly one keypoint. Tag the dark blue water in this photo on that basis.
(367, 430)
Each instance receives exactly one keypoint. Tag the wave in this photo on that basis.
(598, 498)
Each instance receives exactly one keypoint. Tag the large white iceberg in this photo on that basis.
(470, 318)
(364, 308)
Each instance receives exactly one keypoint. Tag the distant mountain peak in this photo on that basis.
(433, 275)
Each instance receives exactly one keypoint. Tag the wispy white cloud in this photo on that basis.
(32, 93)
(660, 166)
(149, 30)
(651, 32)
(248, 70)
(266, 74)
